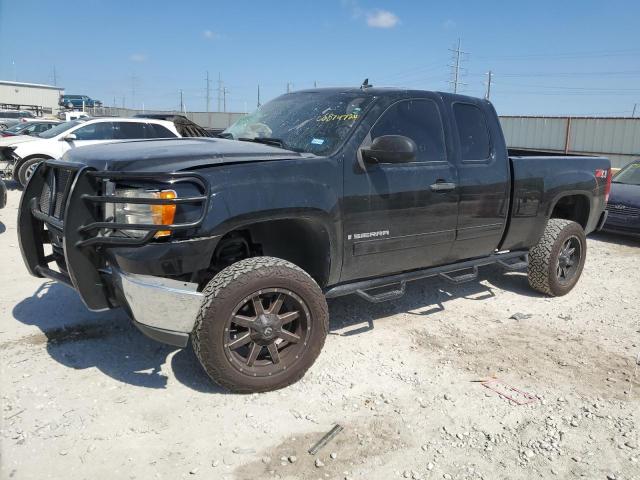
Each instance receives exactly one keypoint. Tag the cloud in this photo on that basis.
(449, 24)
(210, 35)
(138, 57)
(382, 19)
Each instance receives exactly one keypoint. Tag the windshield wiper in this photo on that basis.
(266, 140)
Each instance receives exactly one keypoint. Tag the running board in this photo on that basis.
(520, 264)
(384, 296)
(519, 260)
(465, 277)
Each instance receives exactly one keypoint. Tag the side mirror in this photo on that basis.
(70, 137)
(390, 149)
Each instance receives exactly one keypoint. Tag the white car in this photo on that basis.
(78, 133)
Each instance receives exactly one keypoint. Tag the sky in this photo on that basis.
(546, 57)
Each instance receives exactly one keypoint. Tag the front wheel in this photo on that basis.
(557, 260)
(261, 325)
(27, 168)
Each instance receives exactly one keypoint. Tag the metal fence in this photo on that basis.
(615, 138)
(204, 119)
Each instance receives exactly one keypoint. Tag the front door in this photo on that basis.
(399, 217)
(90, 134)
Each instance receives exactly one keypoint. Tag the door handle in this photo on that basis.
(441, 186)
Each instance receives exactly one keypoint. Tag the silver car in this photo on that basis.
(8, 118)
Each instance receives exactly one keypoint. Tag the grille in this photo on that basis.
(52, 196)
(623, 210)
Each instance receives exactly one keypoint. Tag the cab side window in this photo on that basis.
(473, 132)
(95, 131)
(418, 120)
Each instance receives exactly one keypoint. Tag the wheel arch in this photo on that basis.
(305, 241)
(19, 163)
(574, 206)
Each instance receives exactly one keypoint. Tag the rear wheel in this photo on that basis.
(557, 260)
(261, 325)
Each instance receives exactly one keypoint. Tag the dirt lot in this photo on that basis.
(85, 395)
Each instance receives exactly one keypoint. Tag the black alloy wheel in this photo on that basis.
(267, 332)
(568, 260)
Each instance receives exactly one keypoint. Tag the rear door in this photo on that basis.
(483, 179)
(394, 218)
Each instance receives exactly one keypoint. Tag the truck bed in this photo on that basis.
(539, 182)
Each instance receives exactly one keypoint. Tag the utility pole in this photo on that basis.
(181, 102)
(315, 84)
(456, 66)
(224, 98)
(219, 92)
(55, 77)
(490, 75)
(208, 91)
(635, 106)
(259, 96)
(134, 80)
(289, 86)
(123, 101)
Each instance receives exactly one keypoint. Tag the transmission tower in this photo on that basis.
(457, 71)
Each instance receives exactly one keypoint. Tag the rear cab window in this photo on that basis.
(473, 132)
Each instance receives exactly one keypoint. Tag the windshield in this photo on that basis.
(629, 175)
(17, 128)
(313, 122)
(58, 129)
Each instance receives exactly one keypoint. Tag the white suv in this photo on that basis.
(77, 133)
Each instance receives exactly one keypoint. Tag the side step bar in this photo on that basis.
(509, 261)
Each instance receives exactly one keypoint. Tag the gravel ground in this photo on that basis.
(85, 395)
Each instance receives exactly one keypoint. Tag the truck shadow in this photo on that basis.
(353, 315)
(79, 339)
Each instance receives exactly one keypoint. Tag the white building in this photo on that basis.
(30, 96)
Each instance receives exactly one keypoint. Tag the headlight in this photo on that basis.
(140, 213)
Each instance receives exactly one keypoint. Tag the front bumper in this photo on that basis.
(62, 206)
(162, 308)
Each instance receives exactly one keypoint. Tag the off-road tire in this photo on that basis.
(22, 169)
(225, 291)
(543, 257)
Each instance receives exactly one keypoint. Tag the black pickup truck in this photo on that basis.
(236, 242)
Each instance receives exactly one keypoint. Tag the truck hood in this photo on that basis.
(14, 140)
(170, 155)
(625, 194)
